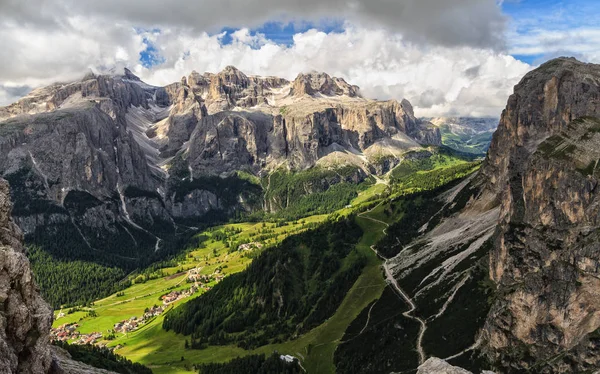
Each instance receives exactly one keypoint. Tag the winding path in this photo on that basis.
(392, 281)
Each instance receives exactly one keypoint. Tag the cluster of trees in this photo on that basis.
(429, 180)
(103, 358)
(287, 290)
(314, 191)
(257, 364)
(73, 282)
(433, 158)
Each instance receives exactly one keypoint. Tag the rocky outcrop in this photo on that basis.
(542, 167)
(64, 364)
(229, 141)
(25, 319)
(320, 83)
(437, 366)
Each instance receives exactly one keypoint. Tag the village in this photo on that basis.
(134, 323)
(68, 332)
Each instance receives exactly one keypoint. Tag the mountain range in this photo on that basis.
(495, 268)
(115, 166)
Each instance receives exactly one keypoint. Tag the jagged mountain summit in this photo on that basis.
(114, 165)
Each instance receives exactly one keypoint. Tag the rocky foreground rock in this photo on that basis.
(435, 365)
(25, 318)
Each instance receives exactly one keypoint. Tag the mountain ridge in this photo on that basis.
(112, 170)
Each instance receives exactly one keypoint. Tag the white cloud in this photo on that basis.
(437, 80)
(477, 23)
(445, 57)
(581, 42)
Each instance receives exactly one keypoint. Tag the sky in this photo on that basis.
(448, 58)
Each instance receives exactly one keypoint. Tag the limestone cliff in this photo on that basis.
(542, 167)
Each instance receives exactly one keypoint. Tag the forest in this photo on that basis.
(314, 191)
(73, 282)
(103, 358)
(287, 290)
(256, 364)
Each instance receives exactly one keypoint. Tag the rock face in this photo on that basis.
(542, 167)
(112, 157)
(77, 170)
(25, 319)
(320, 83)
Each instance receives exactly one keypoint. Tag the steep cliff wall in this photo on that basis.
(542, 167)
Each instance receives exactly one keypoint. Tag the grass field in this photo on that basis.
(162, 351)
(165, 352)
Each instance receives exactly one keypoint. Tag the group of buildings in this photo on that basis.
(68, 332)
(173, 296)
(134, 323)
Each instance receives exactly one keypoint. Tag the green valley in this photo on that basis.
(292, 287)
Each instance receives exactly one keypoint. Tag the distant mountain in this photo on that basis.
(112, 169)
(466, 134)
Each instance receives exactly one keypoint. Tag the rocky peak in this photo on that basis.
(129, 75)
(407, 107)
(544, 102)
(314, 83)
(197, 80)
(232, 76)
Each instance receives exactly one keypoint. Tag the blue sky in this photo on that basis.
(537, 19)
(529, 22)
(445, 56)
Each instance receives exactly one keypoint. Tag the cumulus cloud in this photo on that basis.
(445, 57)
(437, 80)
(477, 23)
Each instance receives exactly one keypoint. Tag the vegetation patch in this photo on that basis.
(73, 282)
(314, 191)
(257, 364)
(387, 344)
(285, 291)
(103, 358)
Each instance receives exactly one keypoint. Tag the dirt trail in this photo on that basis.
(394, 283)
